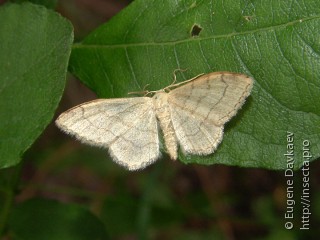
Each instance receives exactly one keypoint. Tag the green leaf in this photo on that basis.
(35, 49)
(119, 215)
(47, 219)
(275, 42)
(51, 4)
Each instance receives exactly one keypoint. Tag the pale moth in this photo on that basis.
(190, 114)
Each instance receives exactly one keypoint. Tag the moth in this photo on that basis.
(191, 115)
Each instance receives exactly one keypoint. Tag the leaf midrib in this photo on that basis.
(229, 35)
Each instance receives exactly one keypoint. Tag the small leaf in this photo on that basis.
(47, 219)
(275, 42)
(51, 4)
(35, 48)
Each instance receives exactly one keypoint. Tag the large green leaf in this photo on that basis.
(275, 42)
(35, 45)
(44, 219)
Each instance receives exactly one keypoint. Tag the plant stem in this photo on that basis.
(4, 214)
(8, 189)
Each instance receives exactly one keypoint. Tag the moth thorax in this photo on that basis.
(162, 110)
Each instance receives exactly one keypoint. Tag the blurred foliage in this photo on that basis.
(52, 220)
(166, 201)
(65, 190)
(50, 4)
